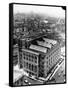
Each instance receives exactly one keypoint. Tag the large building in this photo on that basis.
(39, 56)
(30, 61)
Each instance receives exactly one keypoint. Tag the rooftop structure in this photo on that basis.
(38, 48)
(45, 44)
(50, 41)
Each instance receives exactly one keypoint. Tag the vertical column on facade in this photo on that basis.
(18, 58)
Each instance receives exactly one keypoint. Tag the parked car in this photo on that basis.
(26, 81)
(29, 83)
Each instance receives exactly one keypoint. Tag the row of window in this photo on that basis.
(52, 60)
(30, 66)
(15, 57)
(15, 53)
(54, 52)
(30, 57)
(31, 73)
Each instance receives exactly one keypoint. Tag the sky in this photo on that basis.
(52, 11)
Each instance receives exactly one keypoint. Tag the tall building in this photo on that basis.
(40, 57)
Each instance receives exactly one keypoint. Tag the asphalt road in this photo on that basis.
(31, 81)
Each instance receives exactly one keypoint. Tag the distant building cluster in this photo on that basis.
(37, 57)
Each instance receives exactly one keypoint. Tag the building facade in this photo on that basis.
(50, 60)
(38, 60)
(15, 54)
(30, 61)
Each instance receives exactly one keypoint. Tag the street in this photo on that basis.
(59, 76)
(31, 81)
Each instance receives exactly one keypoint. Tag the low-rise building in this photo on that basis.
(15, 54)
(17, 78)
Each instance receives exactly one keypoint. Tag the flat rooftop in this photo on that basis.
(48, 43)
(30, 51)
(38, 48)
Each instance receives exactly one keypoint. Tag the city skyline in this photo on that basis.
(45, 10)
(38, 56)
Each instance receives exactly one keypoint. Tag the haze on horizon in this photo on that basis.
(45, 10)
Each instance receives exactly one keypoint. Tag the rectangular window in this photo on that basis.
(23, 54)
(35, 57)
(29, 55)
(27, 58)
(49, 61)
(24, 57)
(24, 64)
(35, 68)
(32, 57)
(27, 65)
(47, 57)
(32, 73)
(35, 61)
(32, 67)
